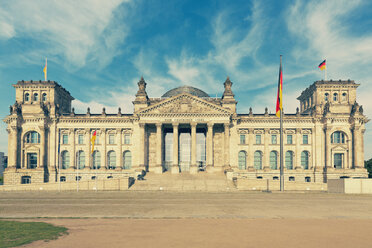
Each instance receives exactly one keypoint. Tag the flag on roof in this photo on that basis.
(322, 65)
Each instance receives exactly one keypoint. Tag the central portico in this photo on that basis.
(183, 131)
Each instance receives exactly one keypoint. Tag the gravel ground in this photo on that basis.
(198, 219)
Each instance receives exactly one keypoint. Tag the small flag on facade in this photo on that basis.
(279, 100)
(45, 69)
(93, 140)
(322, 66)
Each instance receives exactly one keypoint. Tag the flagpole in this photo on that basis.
(59, 160)
(77, 174)
(325, 73)
(281, 140)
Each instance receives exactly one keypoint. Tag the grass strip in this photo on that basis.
(15, 233)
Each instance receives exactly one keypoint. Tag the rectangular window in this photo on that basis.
(126, 139)
(273, 139)
(111, 139)
(80, 139)
(305, 139)
(65, 139)
(258, 139)
(242, 139)
(289, 139)
(97, 140)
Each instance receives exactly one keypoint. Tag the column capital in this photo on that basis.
(226, 124)
(142, 124)
(210, 124)
(159, 124)
(118, 130)
(175, 124)
(193, 124)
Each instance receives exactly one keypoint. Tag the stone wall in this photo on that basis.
(274, 185)
(101, 185)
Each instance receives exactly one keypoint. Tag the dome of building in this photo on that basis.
(185, 89)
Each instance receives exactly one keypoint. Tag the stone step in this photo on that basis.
(184, 182)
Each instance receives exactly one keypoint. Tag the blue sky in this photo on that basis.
(98, 50)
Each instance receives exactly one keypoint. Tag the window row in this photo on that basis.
(78, 178)
(274, 139)
(35, 97)
(258, 155)
(111, 160)
(291, 179)
(335, 97)
(337, 137)
(111, 139)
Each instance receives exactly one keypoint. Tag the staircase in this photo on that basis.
(184, 182)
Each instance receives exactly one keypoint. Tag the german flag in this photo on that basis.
(322, 65)
(279, 99)
(93, 140)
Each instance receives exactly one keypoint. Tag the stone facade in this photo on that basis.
(185, 131)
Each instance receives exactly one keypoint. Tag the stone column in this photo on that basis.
(297, 157)
(210, 145)
(251, 142)
(73, 153)
(119, 135)
(142, 145)
(358, 159)
(104, 155)
(328, 163)
(193, 168)
(89, 148)
(175, 167)
(266, 151)
(12, 146)
(42, 147)
(159, 167)
(227, 145)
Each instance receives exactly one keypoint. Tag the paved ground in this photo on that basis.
(164, 219)
(185, 205)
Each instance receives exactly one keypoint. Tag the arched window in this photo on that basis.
(335, 97)
(96, 160)
(65, 159)
(289, 160)
(127, 157)
(33, 137)
(326, 96)
(36, 97)
(338, 137)
(242, 160)
(81, 159)
(305, 160)
(258, 160)
(44, 97)
(344, 97)
(111, 159)
(291, 179)
(62, 179)
(27, 97)
(273, 160)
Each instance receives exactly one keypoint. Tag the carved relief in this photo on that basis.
(185, 104)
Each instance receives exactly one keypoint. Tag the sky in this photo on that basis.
(98, 50)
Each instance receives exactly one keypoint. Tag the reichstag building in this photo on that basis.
(184, 131)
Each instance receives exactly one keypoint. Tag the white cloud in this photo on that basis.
(79, 31)
(326, 30)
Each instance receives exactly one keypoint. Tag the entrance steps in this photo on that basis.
(184, 182)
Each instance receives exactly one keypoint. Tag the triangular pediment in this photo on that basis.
(339, 148)
(184, 103)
